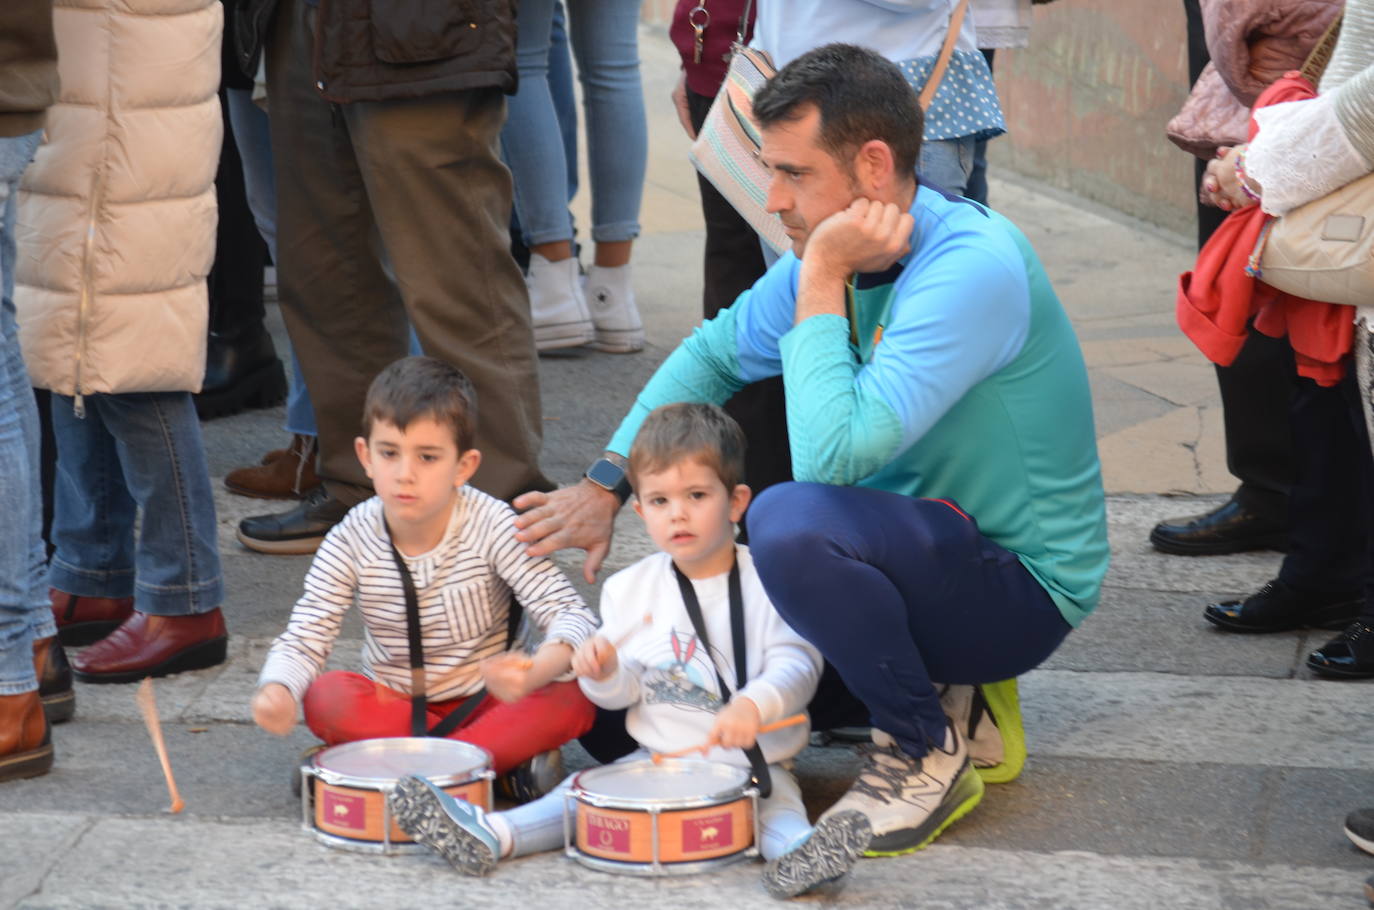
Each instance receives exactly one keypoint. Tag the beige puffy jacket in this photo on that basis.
(116, 221)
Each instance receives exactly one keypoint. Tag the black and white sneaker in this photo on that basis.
(835, 844)
(907, 800)
(1359, 827)
(531, 779)
(453, 828)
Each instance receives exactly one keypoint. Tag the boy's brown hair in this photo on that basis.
(417, 387)
(676, 432)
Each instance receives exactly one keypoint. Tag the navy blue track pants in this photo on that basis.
(897, 592)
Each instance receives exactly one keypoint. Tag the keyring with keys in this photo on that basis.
(698, 18)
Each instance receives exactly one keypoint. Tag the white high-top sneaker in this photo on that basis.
(557, 307)
(611, 299)
(907, 800)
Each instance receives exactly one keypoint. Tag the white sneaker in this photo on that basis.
(989, 717)
(557, 307)
(909, 801)
(611, 297)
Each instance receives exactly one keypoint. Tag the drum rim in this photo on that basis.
(718, 798)
(329, 776)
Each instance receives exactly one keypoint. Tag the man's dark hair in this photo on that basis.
(860, 95)
(414, 388)
(678, 432)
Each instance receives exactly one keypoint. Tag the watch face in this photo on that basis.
(606, 474)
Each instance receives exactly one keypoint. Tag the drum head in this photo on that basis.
(384, 761)
(674, 780)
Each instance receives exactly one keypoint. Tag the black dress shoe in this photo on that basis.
(1349, 655)
(1228, 529)
(298, 531)
(242, 371)
(1278, 607)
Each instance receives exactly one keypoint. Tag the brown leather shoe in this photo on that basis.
(82, 620)
(25, 740)
(147, 645)
(290, 476)
(54, 679)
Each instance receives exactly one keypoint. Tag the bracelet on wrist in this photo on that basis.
(1242, 179)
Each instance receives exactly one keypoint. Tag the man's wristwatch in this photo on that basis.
(610, 476)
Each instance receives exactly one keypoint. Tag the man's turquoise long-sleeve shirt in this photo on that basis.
(955, 376)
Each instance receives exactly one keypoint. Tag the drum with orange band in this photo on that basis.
(672, 818)
(343, 796)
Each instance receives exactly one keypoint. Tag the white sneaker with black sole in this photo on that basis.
(558, 308)
(835, 844)
(907, 800)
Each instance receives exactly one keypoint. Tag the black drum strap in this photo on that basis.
(418, 703)
(762, 780)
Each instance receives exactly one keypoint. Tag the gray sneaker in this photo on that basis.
(909, 801)
(835, 844)
(453, 828)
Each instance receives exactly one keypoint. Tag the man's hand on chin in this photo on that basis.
(868, 236)
(580, 516)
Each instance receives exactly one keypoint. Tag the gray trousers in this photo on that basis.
(413, 189)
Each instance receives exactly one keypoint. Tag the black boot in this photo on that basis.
(241, 372)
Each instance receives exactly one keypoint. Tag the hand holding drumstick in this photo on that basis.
(705, 747)
(598, 657)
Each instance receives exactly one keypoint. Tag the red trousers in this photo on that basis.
(342, 707)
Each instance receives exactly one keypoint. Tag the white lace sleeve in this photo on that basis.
(1300, 153)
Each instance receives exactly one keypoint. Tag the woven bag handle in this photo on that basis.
(1315, 64)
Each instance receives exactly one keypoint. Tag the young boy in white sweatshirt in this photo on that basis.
(685, 465)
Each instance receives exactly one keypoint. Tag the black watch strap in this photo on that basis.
(610, 476)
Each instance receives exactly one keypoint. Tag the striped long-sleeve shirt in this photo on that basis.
(464, 586)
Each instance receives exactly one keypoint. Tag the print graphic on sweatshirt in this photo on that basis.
(685, 677)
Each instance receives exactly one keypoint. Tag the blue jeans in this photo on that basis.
(896, 592)
(132, 452)
(24, 612)
(605, 41)
(253, 137)
(948, 163)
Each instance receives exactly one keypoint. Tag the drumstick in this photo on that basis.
(148, 705)
(791, 721)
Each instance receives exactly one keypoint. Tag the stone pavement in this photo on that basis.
(1170, 766)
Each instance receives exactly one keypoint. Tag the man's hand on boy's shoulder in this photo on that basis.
(581, 516)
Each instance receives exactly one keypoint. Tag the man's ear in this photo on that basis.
(874, 166)
(364, 456)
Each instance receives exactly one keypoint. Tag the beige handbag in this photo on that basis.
(727, 148)
(1324, 250)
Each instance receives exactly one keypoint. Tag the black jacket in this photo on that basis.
(375, 50)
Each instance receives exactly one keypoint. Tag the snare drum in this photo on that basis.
(673, 818)
(344, 788)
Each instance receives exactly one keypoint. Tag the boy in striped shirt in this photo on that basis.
(455, 547)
